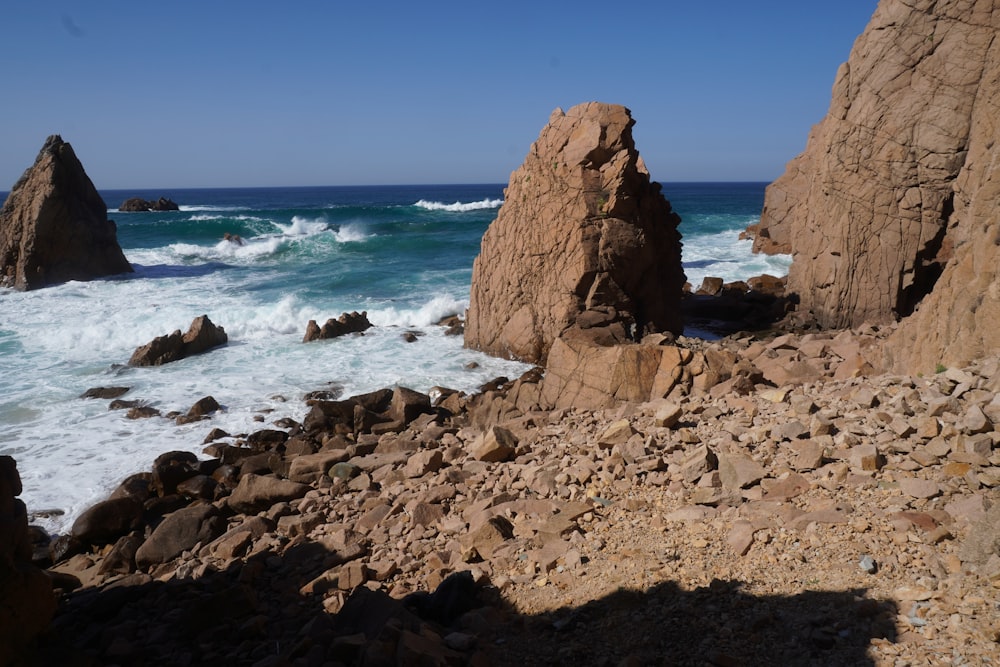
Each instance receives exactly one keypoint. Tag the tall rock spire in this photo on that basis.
(584, 240)
(54, 225)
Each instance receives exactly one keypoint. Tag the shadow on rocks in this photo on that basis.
(718, 624)
(255, 613)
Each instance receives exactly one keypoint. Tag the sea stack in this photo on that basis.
(54, 225)
(584, 240)
(890, 213)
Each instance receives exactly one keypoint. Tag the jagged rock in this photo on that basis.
(54, 225)
(892, 204)
(584, 239)
(201, 336)
(138, 204)
(347, 323)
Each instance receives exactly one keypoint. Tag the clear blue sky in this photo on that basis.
(215, 94)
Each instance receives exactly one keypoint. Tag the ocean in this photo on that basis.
(402, 253)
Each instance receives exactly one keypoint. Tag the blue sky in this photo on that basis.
(213, 94)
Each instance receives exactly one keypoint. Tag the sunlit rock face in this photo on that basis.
(54, 225)
(584, 240)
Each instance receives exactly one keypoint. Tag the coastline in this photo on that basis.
(763, 503)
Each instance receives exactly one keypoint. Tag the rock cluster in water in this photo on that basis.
(138, 204)
(54, 225)
(201, 336)
(584, 241)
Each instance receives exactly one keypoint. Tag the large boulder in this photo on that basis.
(54, 225)
(894, 197)
(583, 240)
(201, 336)
(27, 602)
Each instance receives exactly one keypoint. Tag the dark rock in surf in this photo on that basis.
(203, 335)
(138, 204)
(347, 323)
(105, 392)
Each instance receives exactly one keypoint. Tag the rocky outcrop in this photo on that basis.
(201, 336)
(26, 600)
(584, 240)
(138, 204)
(892, 204)
(347, 323)
(323, 547)
(54, 225)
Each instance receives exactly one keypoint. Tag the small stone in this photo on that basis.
(919, 488)
(617, 433)
(866, 457)
(667, 415)
(868, 564)
(740, 537)
(495, 445)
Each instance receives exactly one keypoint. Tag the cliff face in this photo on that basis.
(584, 239)
(889, 207)
(54, 225)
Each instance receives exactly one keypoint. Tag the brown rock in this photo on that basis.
(107, 520)
(54, 225)
(138, 204)
(740, 537)
(584, 239)
(257, 492)
(919, 488)
(739, 471)
(201, 336)
(495, 445)
(891, 204)
(27, 603)
(179, 531)
(347, 323)
(488, 537)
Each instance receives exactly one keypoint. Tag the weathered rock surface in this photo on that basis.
(892, 204)
(54, 225)
(138, 204)
(584, 239)
(347, 323)
(200, 337)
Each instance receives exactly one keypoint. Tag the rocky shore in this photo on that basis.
(837, 518)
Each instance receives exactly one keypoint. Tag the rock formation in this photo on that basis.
(347, 323)
(892, 203)
(202, 335)
(138, 204)
(54, 225)
(26, 600)
(584, 240)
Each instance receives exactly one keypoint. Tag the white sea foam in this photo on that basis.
(205, 207)
(351, 232)
(205, 217)
(725, 255)
(304, 226)
(429, 313)
(72, 451)
(459, 207)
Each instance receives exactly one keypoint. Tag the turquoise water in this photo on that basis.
(404, 254)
